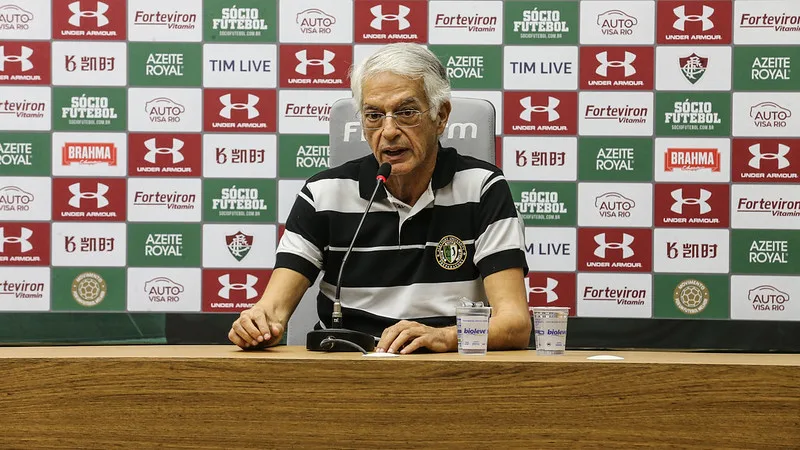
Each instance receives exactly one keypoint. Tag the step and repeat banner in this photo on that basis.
(150, 150)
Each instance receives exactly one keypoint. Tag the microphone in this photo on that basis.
(338, 338)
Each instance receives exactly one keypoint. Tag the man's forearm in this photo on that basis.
(284, 292)
(509, 332)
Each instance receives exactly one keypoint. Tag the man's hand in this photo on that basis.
(255, 328)
(405, 337)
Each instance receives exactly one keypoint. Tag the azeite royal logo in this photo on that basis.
(233, 290)
(617, 67)
(551, 289)
(693, 205)
(239, 110)
(540, 112)
(24, 244)
(385, 21)
(617, 249)
(315, 65)
(691, 22)
(24, 62)
(89, 19)
(77, 199)
(766, 160)
(164, 155)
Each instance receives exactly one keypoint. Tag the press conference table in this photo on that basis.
(287, 397)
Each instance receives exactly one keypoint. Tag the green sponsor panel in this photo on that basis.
(765, 68)
(165, 244)
(89, 289)
(240, 21)
(615, 159)
(90, 109)
(165, 64)
(472, 66)
(241, 200)
(765, 251)
(691, 296)
(545, 204)
(25, 154)
(693, 114)
(553, 22)
(302, 155)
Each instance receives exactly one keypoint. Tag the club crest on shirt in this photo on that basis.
(451, 252)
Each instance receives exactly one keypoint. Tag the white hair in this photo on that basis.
(408, 60)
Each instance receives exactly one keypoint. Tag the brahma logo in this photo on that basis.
(89, 153)
(24, 244)
(163, 110)
(24, 63)
(614, 68)
(385, 21)
(76, 199)
(163, 290)
(696, 205)
(768, 298)
(540, 112)
(164, 155)
(706, 21)
(764, 160)
(551, 289)
(616, 22)
(15, 18)
(316, 65)
(622, 249)
(239, 110)
(691, 159)
(688, 160)
(88, 19)
(769, 115)
(233, 290)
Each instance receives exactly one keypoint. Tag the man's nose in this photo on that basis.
(390, 129)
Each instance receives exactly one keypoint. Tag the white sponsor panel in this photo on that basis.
(164, 200)
(240, 65)
(694, 250)
(25, 289)
(316, 21)
(706, 160)
(287, 193)
(90, 154)
(306, 111)
(766, 22)
(25, 108)
(693, 68)
(617, 22)
(493, 97)
(163, 109)
(765, 297)
(90, 63)
(615, 205)
(615, 295)
(25, 198)
(240, 155)
(615, 113)
(551, 249)
(544, 67)
(239, 246)
(760, 114)
(89, 244)
(25, 19)
(164, 289)
(540, 158)
(472, 22)
(765, 206)
(160, 21)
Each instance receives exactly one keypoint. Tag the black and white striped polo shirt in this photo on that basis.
(407, 263)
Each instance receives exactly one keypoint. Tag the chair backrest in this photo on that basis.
(470, 129)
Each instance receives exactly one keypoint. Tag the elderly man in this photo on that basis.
(443, 227)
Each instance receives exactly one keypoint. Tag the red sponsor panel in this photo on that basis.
(692, 205)
(240, 110)
(89, 200)
(615, 249)
(24, 243)
(386, 21)
(315, 66)
(552, 289)
(540, 113)
(281, 229)
(498, 151)
(694, 22)
(233, 290)
(26, 62)
(616, 68)
(766, 160)
(164, 155)
(96, 20)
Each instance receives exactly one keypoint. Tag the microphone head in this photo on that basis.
(383, 172)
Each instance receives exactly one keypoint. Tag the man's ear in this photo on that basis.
(443, 117)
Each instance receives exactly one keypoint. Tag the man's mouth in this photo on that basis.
(394, 152)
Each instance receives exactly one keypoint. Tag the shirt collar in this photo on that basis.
(443, 173)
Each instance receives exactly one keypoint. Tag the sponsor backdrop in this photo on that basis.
(151, 150)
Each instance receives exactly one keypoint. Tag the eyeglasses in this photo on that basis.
(405, 118)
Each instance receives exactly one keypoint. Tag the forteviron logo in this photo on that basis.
(617, 68)
(540, 112)
(89, 20)
(385, 21)
(692, 22)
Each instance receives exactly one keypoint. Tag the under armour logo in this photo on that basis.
(98, 13)
(602, 69)
(702, 201)
(548, 290)
(550, 109)
(783, 161)
(252, 101)
(227, 286)
(400, 17)
(603, 245)
(682, 18)
(325, 62)
(23, 240)
(78, 195)
(153, 150)
(23, 58)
